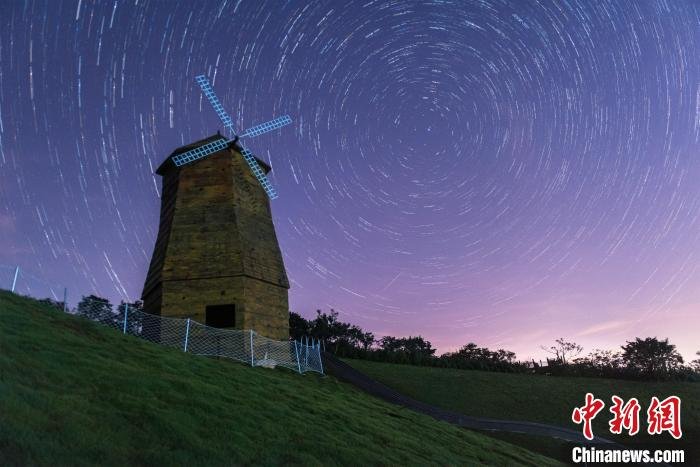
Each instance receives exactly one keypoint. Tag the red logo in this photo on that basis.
(587, 413)
(625, 416)
(662, 416)
(665, 416)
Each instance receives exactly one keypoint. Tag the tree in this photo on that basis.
(298, 326)
(651, 357)
(95, 308)
(602, 363)
(695, 364)
(503, 356)
(471, 356)
(563, 350)
(134, 317)
(408, 349)
(367, 340)
(341, 338)
(326, 326)
(603, 360)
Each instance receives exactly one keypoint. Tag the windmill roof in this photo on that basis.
(167, 163)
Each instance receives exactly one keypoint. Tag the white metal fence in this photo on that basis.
(190, 336)
(185, 334)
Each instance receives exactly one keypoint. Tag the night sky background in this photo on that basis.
(502, 172)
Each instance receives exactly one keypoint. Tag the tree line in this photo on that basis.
(348, 340)
(642, 358)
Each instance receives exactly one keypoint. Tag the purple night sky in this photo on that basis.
(502, 172)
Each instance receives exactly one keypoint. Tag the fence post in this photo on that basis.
(320, 359)
(65, 299)
(126, 314)
(306, 353)
(14, 281)
(187, 334)
(252, 350)
(296, 351)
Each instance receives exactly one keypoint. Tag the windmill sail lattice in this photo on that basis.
(214, 101)
(202, 151)
(218, 145)
(269, 126)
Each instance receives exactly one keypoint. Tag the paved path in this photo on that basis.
(345, 372)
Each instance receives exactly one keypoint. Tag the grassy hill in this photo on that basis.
(537, 398)
(73, 392)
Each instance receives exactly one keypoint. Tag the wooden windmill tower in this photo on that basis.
(216, 259)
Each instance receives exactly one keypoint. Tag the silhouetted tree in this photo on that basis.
(338, 337)
(414, 350)
(651, 357)
(367, 340)
(602, 360)
(471, 356)
(563, 350)
(95, 308)
(695, 364)
(326, 326)
(298, 326)
(604, 363)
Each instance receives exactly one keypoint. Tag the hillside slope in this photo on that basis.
(72, 392)
(537, 398)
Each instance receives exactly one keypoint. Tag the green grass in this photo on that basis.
(537, 398)
(75, 393)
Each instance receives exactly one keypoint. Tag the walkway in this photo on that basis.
(344, 372)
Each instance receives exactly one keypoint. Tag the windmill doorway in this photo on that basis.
(221, 316)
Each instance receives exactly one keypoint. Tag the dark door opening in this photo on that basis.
(221, 316)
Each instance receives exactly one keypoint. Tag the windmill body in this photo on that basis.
(216, 258)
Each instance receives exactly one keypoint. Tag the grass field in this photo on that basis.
(537, 398)
(72, 392)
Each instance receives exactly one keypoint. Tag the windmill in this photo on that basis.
(216, 258)
(218, 145)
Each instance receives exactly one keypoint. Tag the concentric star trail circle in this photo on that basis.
(496, 171)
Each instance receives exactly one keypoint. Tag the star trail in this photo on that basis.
(502, 172)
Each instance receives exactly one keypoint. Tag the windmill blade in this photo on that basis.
(214, 101)
(259, 174)
(258, 130)
(201, 151)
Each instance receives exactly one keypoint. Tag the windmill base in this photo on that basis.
(253, 303)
